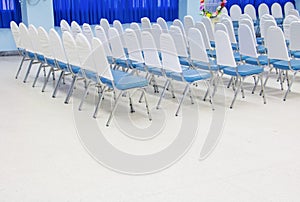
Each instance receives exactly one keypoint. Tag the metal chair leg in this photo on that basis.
(130, 104)
(101, 95)
(255, 84)
(37, 75)
(242, 88)
(162, 94)
(181, 101)
(230, 82)
(71, 89)
(114, 109)
(147, 106)
(84, 95)
(236, 92)
(47, 79)
(58, 84)
(20, 67)
(290, 86)
(263, 89)
(28, 71)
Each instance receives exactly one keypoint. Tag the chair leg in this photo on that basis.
(147, 106)
(47, 79)
(181, 101)
(255, 84)
(236, 92)
(290, 86)
(100, 98)
(242, 88)
(280, 79)
(230, 82)
(172, 89)
(262, 88)
(58, 83)
(37, 75)
(191, 96)
(162, 94)
(130, 104)
(28, 71)
(114, 109)
(84, 95)
(71, 90)
(20, 67)
(210, 85)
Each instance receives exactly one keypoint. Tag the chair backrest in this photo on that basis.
(179, 24)
(118, 25)
(87, 31)
(250, 10)
(267, 25)
(163, 24)
(245, 16)
(64, 26)
(247, 44)
(263, 19)
(287, 7)
(179, 41)
(135, 26)
(150, 51)
(262, 10)
(229, 26)
(224, 52)
(105, 24)
(197, 46)
(287, 23)
(101, 64)
(24, 35)
(294, 36)
(100, 34)
(71, 49)
(277, 48)
(276, 10)
(84, 50)
(57, 47)
(209, 28)
(220, 26)
(16, 33)
(117, 48)
(146, 24)
(156, 32)
(224, 10)
(170, 60)
(250, 24)
(44, 43)
(133, 46)
(223, 15)
(294, 12)
(75, 28)
(33, 35)
(189, 22)
(201, 27)
(235, 12)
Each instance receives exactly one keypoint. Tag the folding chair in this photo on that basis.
(201, 27)
(135, 26)
(100, 34)
(276, 11)
(209, 28)
(105, 24)
(179, 24)
(286, 25)
(75, 28)
(64, 26)
(163, 24)
(250, 10)
(118, 25)
(235, 13)
(146, 24)
(262, 10)
(294, 39)
(287, 7)
(88, 32)
(188, 22)
(156, 32)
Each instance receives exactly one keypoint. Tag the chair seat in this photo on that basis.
(261, 49)
(62, 65)
(263, 60)
(204, 66)
(243, 70)
(234, 46)
(75, 69)
(190, 75)
(121, 62)
(259, 40)
(50, 62)
(40, 58)
(158, 71)
(235, 24)
(125, 81)
(138, 66)
(184, 61)
(211, 53)
(279, 21)
(237, 57)
(284, 65)
(212, 44)
(296, 54)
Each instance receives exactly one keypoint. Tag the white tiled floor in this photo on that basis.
(42, 158)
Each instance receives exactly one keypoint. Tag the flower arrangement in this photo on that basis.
(214, 14)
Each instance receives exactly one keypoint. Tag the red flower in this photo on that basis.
(222, 4)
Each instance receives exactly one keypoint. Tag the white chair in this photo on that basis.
(224, 10)
(250, 10)
(225, 58)
(100, 34)
(201, 27)
(287, 23)
(172, 65)
(75, 28)
(262, 10)
(64, 26)
(118, 25)
(156, 32)
(188, 22)
(180, 45)
(105, 24)
(118, 81)
(163, 24)
(277, 50)
(87, 32)
(287, 7)
(179, 24)
(263, 19)
(276, 11)
(294, 12)
(135, 26)
(209, 28)
(230, 29)
(117, 49)
(294, 45)
(235, 13)
(223, 15)
(146, 24)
